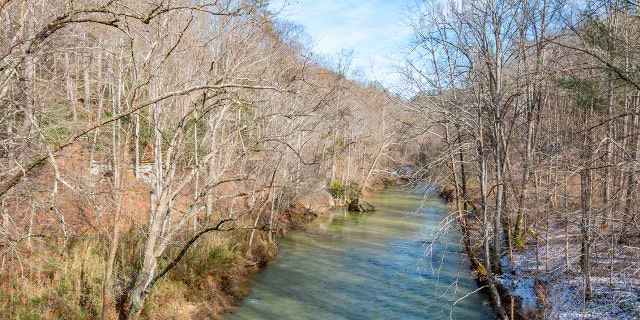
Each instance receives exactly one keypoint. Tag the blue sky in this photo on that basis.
(373, 29)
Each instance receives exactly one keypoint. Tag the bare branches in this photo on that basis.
(185, 248)
(607, 63)
(11, 178)
(107, 15)
(535, 99)
(3, 3)
(200, 100)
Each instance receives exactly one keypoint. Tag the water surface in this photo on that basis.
(394, 263)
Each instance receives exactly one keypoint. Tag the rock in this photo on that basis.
(340, 201)
(449, 194)
(358, 204)
(318, 203)
(309, 207)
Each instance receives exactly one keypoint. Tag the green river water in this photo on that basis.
(385, 264)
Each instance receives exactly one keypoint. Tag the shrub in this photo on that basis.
(337, 188)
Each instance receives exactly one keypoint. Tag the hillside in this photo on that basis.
(535, 107)
(152, 152)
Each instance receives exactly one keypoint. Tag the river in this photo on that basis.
(394, 263)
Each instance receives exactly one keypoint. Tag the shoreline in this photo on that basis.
(530, 288)
(306, 210)
(474, 255)
(249, 278)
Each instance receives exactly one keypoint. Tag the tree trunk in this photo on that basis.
(495, 295)
(585, 228)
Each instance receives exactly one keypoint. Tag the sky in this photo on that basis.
(373, 29)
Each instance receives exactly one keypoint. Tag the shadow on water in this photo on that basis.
(394, 263)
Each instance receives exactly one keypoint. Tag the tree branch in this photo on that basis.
(609, 66)
(10, 179)
(185, 248)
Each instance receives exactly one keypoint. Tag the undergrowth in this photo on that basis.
(69, 285)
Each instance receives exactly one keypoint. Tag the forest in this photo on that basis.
(535, 105)
(153, 152)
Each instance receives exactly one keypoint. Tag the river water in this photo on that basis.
(394, 263)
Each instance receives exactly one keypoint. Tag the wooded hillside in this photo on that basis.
(537, 106)
(151, 150)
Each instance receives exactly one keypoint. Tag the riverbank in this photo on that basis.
(212, 286)
(236, 284)
(540, 280)
(395, 263)
(538, 275)
(470, 222)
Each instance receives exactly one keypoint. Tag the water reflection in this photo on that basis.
(350, 265)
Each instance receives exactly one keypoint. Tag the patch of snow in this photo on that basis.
(616, 293)
(522, 288)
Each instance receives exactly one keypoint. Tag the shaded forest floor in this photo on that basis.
(542, 279)
(545, 275)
